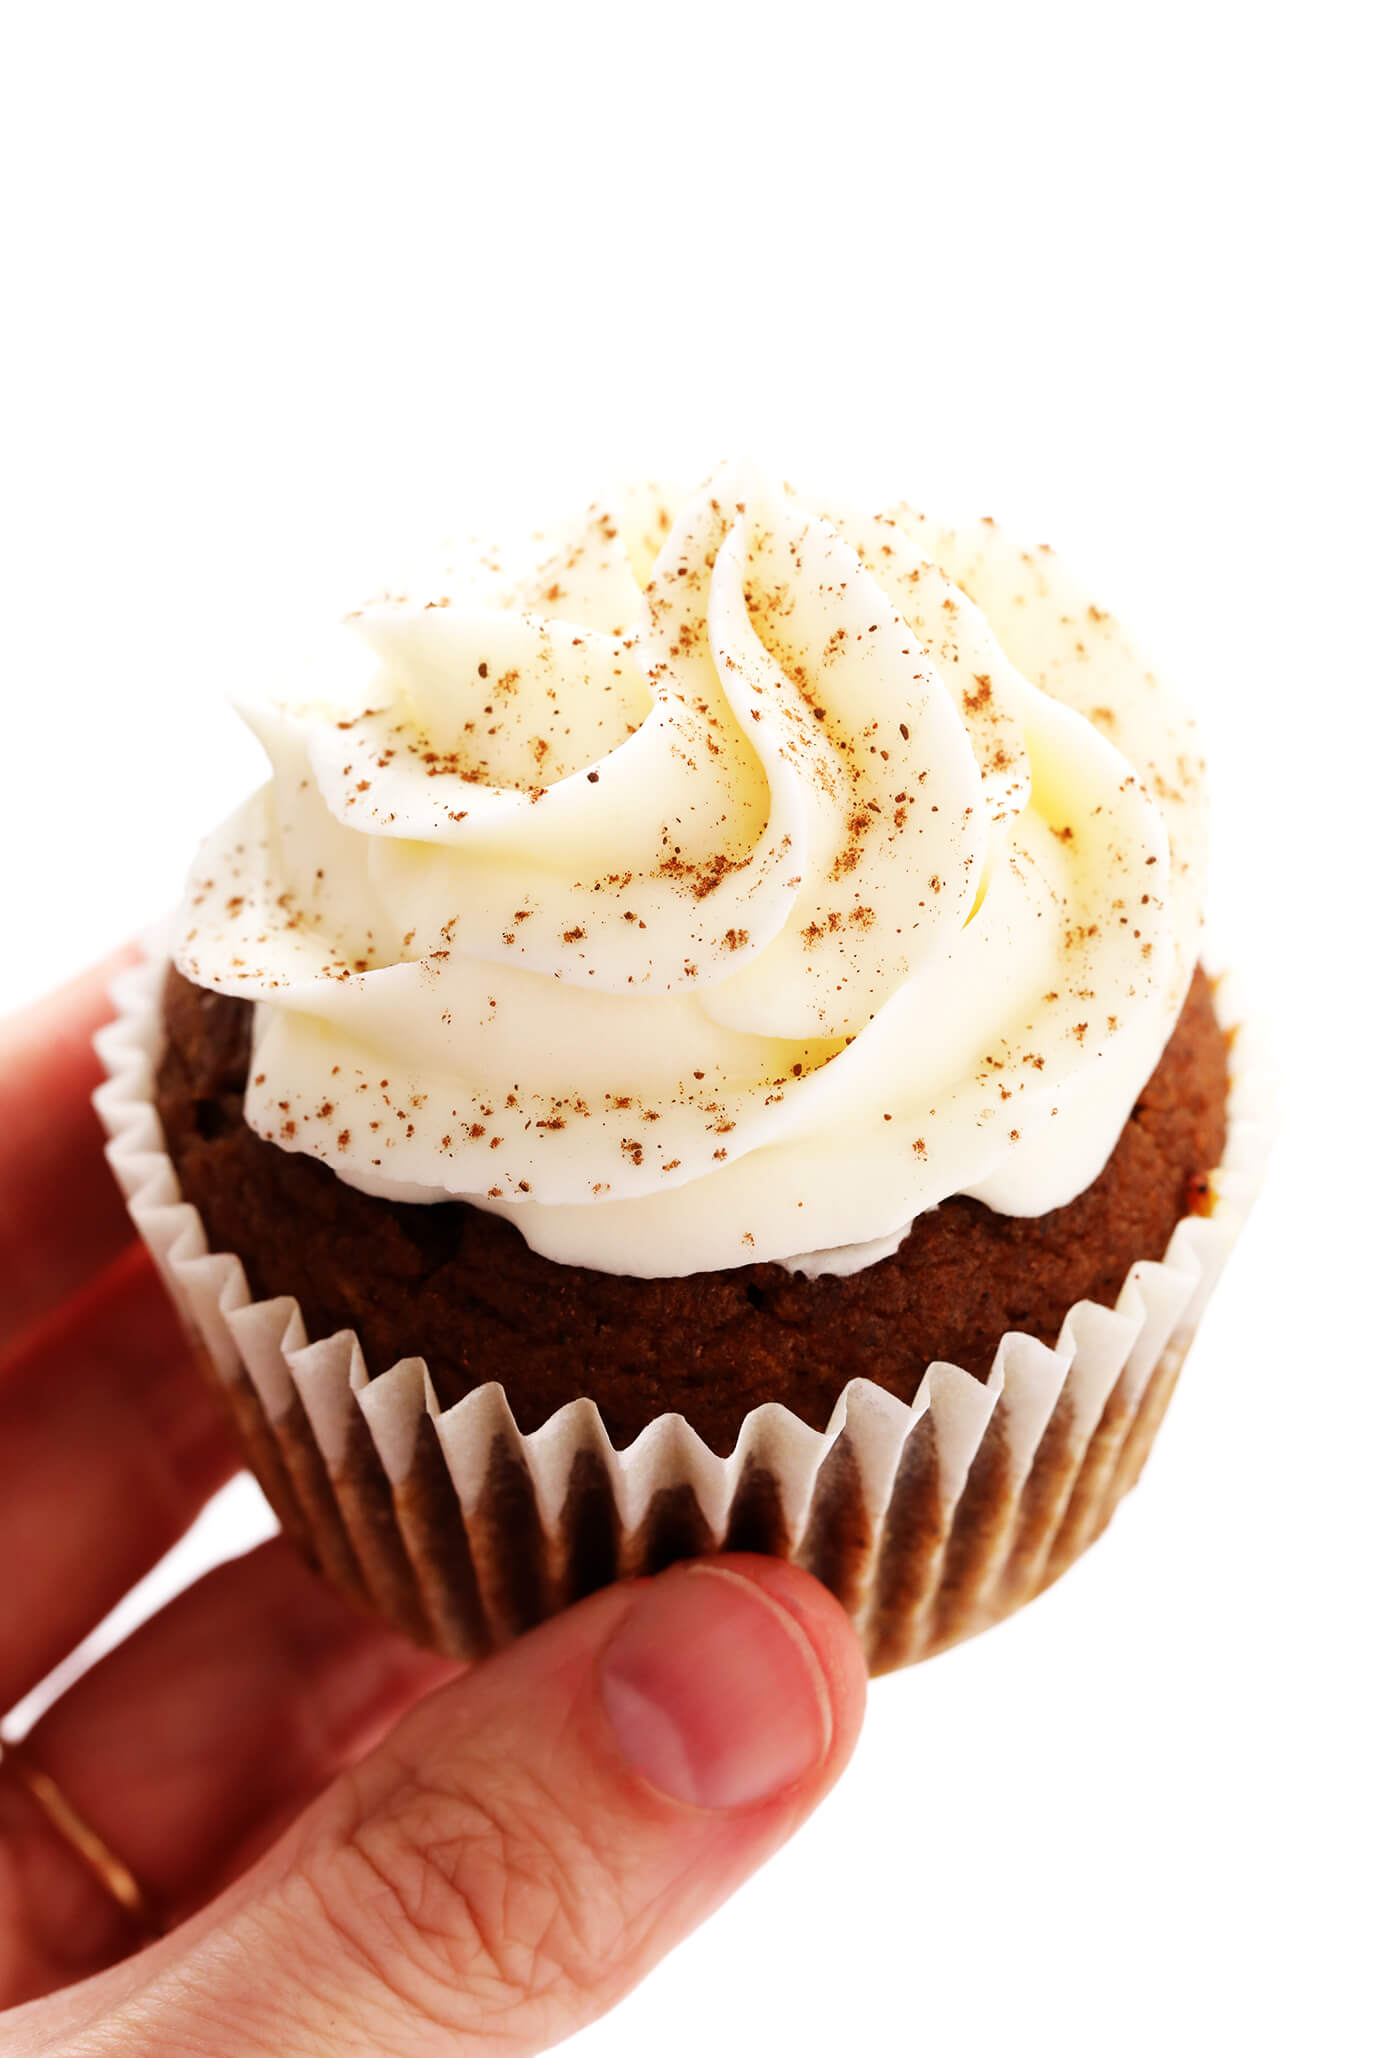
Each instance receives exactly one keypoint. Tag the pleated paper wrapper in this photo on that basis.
(928, 1521)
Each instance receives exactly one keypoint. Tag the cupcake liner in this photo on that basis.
(928, 1521)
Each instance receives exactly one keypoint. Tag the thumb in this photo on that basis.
(536, 1835)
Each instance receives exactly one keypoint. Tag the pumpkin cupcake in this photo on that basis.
(701, 1043)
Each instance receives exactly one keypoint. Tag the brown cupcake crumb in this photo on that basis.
(462, 1288)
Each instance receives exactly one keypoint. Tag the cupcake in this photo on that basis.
(701, 1043)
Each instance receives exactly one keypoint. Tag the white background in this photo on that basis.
(293, 288)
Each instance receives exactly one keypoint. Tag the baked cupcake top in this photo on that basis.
(722, 877)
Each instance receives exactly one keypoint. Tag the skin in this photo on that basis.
(352, 1846)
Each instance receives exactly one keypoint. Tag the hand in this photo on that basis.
(350, 1845)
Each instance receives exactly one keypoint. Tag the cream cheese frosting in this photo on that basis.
(723, 877)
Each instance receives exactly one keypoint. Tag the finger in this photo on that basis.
(62, 1217)
(186, 1749)
(110, 1443)
(532, 1838)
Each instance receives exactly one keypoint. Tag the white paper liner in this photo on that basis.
(929, 1521)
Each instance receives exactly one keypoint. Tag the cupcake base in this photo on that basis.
(462, 1288)
(929, 1519)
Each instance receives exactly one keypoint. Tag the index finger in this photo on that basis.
(62, 1218)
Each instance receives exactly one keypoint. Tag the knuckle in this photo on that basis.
(470, 1905)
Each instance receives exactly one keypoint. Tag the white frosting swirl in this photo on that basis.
(709, 885)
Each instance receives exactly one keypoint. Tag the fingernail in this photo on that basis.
(714, 1691)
